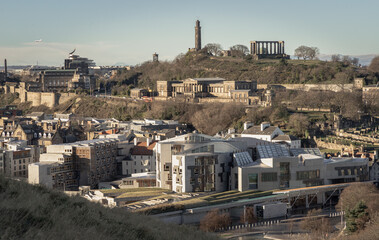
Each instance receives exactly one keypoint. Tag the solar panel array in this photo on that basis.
(242, 158)
(270, 151)
(313, 151)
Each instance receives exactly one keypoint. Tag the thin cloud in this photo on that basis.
(53, 53)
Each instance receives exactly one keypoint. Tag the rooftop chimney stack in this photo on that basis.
(264, 125)
(247, 125)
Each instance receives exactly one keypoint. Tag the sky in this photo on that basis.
(129, 32)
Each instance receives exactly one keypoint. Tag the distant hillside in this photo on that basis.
(233, 68)
(34, 212)
(364, 60)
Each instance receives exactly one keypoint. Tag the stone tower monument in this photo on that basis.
(5, 70)
(155, 57)
(197, 36)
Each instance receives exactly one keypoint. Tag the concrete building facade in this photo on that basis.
(277, 167)
(80, 163)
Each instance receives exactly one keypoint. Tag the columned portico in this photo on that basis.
(267, 49)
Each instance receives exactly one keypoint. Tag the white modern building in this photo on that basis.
(277, 167)
(269, 133)
(194, 163)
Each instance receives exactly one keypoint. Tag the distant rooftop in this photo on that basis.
(313, 151)
(285, 138)
(209, 79)
(90, 142)
(256, 130)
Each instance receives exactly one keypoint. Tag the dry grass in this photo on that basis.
(34, 212)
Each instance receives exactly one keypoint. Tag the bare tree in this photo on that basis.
(299, 124)
(319, 226)
(239, 50)
(374, 65)
(248, 216)
(356, 192)
(214, 221)
(213, 48)
(336, 58)
(305, 52)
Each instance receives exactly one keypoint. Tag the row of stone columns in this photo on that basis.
(191, 88)
(273, 48)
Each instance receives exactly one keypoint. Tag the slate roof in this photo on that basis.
(141, 149)
(256, 130)
(285, 138)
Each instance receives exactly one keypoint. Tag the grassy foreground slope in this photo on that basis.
(34, 212)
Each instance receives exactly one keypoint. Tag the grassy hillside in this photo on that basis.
(232, 68)
(33, 212)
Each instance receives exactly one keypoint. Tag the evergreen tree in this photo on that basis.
(356, 217)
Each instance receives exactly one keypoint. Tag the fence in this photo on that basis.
(268, 223)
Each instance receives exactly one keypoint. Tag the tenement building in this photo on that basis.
(14, 158)
(267, 49)
(194, 88)
(68, 166)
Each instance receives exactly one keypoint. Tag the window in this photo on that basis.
(129, 182)
(269, 177)
(167, 167)
(306, 175)
(253, 181)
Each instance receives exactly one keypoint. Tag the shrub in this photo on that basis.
(214, 221)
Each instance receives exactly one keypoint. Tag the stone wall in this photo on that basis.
(328, 145)
(363, 139)
(49, 99)
(64, 97)
(308, 87)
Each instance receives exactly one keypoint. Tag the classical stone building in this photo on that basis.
(268, 49)
(370, 95)
(138, 92)
(59, 80)
(239, 91)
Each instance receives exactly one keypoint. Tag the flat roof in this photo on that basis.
(331, 186)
